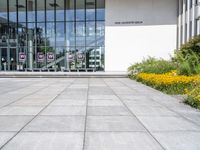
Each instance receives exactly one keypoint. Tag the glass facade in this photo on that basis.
(43, 35)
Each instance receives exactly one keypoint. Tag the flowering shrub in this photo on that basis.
(193, 96)
(170, 83)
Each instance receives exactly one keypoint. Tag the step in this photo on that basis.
(63, 75)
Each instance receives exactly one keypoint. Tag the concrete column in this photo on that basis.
(30, 55)
(198, 24)
(183, 22)
(188, 20)
(193, 16)
(179, 22)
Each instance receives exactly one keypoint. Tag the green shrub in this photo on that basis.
(188, 57)
(188, 64)
(153, 65)
(193, 46)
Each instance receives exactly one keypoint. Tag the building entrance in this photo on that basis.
(57, 35)
(8, 57)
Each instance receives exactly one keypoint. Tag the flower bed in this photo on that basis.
(174, 84)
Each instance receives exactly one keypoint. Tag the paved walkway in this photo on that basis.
(93, 114)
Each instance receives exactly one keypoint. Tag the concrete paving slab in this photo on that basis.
(104, 103)
(56, 123)
(32, 102)
(23, 111)
(46, 141)
(120, 141)
(144, 110)
(108, 111)
(168, 123)
(103, 97)
(5, 137)
(179, 140)
(113, 123)
(59, 102)
(64, 110)
(13, 123)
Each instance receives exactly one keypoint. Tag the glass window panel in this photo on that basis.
(50, 34)
(3, 10)
(22, 10)
(80, 33)
(31, 34)
(100, 9)
(12, 11)
(60, 10)
(90, 57)
(90, 10)
(50, 5)
(60, 34)
(22, 34)
(70, 34)
(90, 34)
(3, 31)
(100, 33)
(60, 51)
(40, 10)
(12, 32)
(31, 10)
(80, 28)
(100, 58)
(70, 10)
(80, 10)
(40, 32)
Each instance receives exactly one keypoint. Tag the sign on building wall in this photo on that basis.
(50, 57)
(22, 57)
(40, 57)
(70, 57)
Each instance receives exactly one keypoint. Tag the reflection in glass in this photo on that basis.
(80, 10)
(90, 9)
(22, 10)
(50, 34)
(3, 10)
(51, 6)
(40, 32)
(90, 34)
(60, 34)
(100, 33)
(57, 26)
(100, 9)
(22, 34)
(40, 10)
(12, 11)
(70, 10)
(80, 34)
(60, 10)
(31, 10)
(70, 34)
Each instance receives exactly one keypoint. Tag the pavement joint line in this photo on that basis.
(20, 88)
(170, 131)
(136, 117)
(23, 97)
(85, 127)
(35, 115)
(179, 114)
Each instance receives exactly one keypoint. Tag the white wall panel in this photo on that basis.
(129, 43)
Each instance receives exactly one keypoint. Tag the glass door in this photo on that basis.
(13, 59)
(3, 59)
(8, 59)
